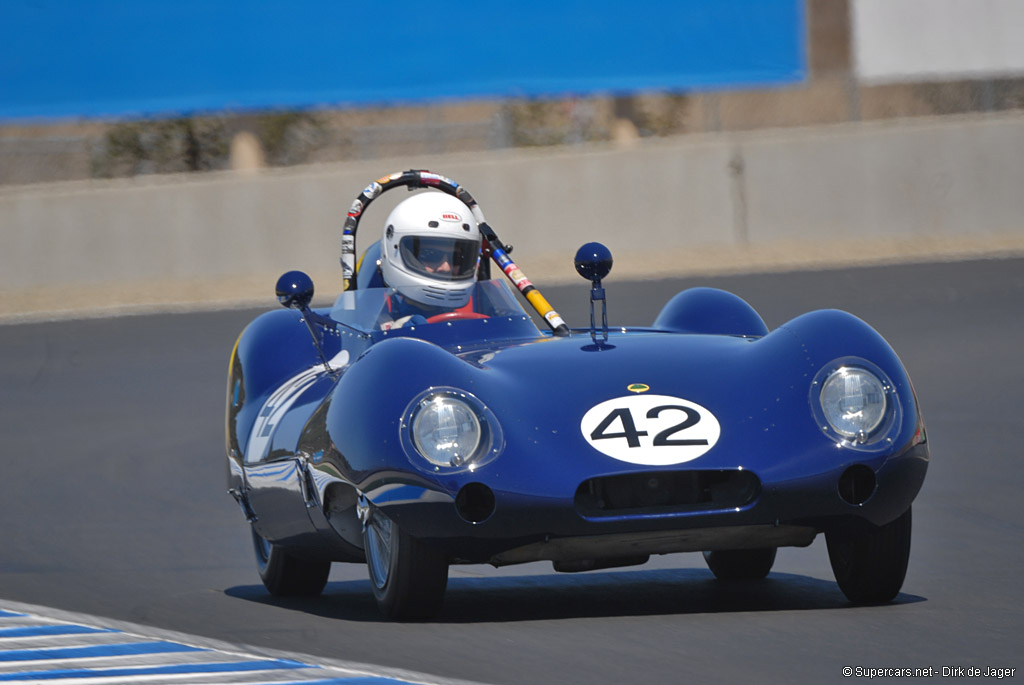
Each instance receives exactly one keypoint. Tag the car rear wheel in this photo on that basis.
(870, 567)
(287, 576)
(408, 577)
(740, 564)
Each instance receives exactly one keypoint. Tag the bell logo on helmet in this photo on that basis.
(451, 216)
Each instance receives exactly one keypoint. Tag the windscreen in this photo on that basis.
(364, 310)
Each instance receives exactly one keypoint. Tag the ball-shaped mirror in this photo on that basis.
(295, 290)
(593, 261)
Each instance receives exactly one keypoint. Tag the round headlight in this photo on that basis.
(853, 401)
(446, 431)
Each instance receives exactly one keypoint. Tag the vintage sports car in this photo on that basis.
(477, 437)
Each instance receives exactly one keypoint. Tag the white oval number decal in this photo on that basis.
(655, 430)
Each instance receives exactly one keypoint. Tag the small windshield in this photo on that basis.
(445, 259)
(367, 310)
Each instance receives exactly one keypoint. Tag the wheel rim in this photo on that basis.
(378, 550)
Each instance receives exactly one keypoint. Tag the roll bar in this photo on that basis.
(492, 245)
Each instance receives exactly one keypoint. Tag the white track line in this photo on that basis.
(40, 644)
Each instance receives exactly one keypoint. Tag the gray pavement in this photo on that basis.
(112, 503)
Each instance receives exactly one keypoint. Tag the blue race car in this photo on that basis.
(473, 436)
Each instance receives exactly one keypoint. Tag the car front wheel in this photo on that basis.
(408, 577)
(287, 576)
(741, 564)
(870, 567)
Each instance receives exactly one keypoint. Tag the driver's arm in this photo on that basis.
(408, 320)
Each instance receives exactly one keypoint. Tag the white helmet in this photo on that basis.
(431, 249)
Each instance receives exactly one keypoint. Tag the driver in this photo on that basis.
(430, 251)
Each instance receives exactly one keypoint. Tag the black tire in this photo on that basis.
(741, 564)
(408, 577)
(870, 567)
(286, 576)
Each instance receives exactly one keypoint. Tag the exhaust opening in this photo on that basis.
(857, 484)
(475, 502)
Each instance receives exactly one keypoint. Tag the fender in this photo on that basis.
(828, 335)
(271, 349)
(385, 379)
(711, 311)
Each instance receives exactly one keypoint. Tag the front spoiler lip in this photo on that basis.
(661, 542)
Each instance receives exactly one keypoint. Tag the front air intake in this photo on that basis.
(666, 492)
(475, 502)
(857, 484)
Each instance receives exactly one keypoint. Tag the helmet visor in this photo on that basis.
(445, 259)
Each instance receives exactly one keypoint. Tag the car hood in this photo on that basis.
(564, 403)
(580, 402)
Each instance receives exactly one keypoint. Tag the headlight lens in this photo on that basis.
(854, 402)
(449, 430)
(445, 431)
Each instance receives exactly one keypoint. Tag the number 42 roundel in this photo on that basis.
(655, 430)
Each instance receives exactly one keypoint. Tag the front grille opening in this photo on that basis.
(666, 491)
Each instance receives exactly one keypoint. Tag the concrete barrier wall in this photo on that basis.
(662, 206)
(896, 181)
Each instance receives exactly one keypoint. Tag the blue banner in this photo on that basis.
(137, 58)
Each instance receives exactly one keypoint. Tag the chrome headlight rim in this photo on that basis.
(878, 437)
(488, 446)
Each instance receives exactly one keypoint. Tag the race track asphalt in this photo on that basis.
(112, 503)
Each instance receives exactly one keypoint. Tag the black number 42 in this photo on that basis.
(662, 439)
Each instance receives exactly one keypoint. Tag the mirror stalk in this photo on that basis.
(594, 261)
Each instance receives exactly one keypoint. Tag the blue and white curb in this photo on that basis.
(37, 644)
